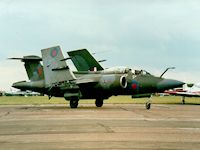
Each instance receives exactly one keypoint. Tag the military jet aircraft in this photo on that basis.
(60, 81)
(188, 90)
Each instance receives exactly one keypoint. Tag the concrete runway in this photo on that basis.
(114, 126)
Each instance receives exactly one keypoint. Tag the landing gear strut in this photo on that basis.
(99, 102)
(183, 99)
(74, 103)
(148, 103)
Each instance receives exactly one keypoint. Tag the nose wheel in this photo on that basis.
(148, 105)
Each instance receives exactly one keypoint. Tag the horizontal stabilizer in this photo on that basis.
(28, 58)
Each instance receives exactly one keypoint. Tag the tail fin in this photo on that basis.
(55, 69)
(84, 61)
(33, 67)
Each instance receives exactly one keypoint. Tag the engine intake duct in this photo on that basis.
(113, 81)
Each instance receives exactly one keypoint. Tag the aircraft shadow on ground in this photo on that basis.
(39, 107)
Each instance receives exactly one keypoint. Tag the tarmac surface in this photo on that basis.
(114, 126)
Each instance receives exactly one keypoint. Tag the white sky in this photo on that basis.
(147, 34)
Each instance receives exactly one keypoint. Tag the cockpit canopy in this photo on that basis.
(124, 70)
(117, 70)
(141, 72)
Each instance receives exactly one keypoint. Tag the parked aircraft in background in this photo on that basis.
(188, 90)
(21, 93)
(60, 81)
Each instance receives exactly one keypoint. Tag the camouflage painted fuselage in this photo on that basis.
(55, 78)
(104, 85)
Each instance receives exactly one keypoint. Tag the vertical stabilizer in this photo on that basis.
(55, 69)
(33, 67)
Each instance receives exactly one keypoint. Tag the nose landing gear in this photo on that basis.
(148, 103)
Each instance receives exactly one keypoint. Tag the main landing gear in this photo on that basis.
(99, 102)
(183, 100)
(74, 103)
(148, 103)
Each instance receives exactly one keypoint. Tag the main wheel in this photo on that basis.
(73, 103)
(99, 102)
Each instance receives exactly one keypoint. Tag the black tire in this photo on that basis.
(148, 106)
(73, 103)
(99, 102)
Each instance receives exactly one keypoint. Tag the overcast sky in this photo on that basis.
(147, 34)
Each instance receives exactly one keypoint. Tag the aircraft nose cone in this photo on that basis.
(166, 84)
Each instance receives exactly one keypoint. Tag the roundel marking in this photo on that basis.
(134, 86)
(40, 71)
(54, 52)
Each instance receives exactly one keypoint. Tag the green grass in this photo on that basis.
(37, 100)
(18, 100)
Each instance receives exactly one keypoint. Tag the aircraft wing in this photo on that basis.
(85, 81)
(84, 61)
